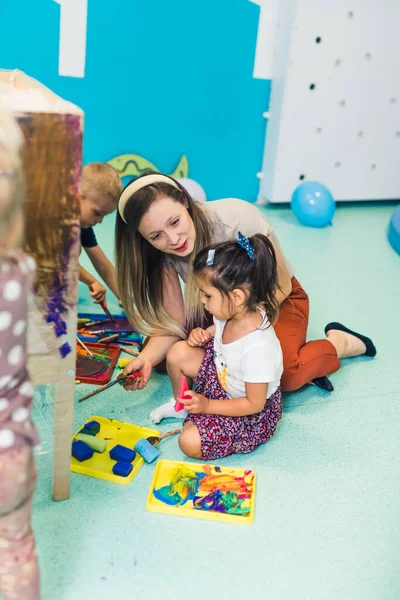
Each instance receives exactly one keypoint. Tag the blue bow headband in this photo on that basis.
(244, 243)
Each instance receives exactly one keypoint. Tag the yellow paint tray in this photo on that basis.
(100, 465)
(203, 491)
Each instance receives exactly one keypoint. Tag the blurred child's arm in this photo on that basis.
(98, 291)
(103, 267)
(251, 404)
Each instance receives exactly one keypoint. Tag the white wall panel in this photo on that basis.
(335, 100)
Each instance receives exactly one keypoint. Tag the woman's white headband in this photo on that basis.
(140, 183)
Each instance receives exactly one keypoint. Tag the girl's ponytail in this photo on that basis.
(265, 282)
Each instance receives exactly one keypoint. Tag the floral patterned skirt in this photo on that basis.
(221, 436)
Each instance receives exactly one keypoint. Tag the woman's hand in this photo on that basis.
(197, 405)
(198, 337)
(98, 292)
(138, 364)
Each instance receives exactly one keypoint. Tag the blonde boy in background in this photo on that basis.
(101, 187)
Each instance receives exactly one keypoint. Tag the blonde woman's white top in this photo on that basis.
(227, 217)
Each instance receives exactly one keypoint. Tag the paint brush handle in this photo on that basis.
(110, 331)
(84, 346)
(169, 433)
(134, 353)
(103, 305)
(133, 347)
(109, 338)
(98, 390)
(120, 379)
(156, 439)
(91, 323)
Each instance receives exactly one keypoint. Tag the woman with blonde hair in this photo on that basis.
(159, 231)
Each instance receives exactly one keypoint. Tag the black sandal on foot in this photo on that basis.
(323, 383)
(371, 350)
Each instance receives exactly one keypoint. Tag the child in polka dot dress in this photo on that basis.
(237, 362)
(19, 575)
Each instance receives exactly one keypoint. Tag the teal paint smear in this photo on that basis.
(183, 487)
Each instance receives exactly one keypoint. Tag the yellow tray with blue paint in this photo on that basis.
(203, 491)
(114, 432)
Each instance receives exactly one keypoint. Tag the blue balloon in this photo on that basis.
(394, 230)
(313, 204)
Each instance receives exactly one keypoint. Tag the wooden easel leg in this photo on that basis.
(63, 423)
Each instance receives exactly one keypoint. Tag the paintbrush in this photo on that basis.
(110, 331)
(129, 351)
(101, 389)
(127, 342)
(120, 379)
(91, 323)
(154, 439)
(104, 306)
(84, 347)
(109, 338)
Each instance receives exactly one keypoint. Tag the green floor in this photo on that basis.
(327, 521)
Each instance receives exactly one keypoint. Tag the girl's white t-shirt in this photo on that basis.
(255, 358)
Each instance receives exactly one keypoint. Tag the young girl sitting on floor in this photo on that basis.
(19, 573)
(237, 362)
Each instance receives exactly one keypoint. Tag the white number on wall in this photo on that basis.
(72, 50)
(265, 38)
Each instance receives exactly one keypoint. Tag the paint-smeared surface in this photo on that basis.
(89, 367)
(209, 490)
(108, 326)
(52, 163)
(93, 366)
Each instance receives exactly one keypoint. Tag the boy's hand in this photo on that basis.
(198, 337)
(197, 405)
(98, 292)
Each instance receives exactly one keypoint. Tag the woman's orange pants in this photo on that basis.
(302, 362)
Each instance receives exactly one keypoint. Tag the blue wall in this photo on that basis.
(163, 78)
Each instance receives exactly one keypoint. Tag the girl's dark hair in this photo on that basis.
(141, 268)
(233, 268)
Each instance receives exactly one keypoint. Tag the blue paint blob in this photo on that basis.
(64, 350)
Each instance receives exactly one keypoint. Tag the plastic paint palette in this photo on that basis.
(111, 352)
(117, 432)
(213, 476)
